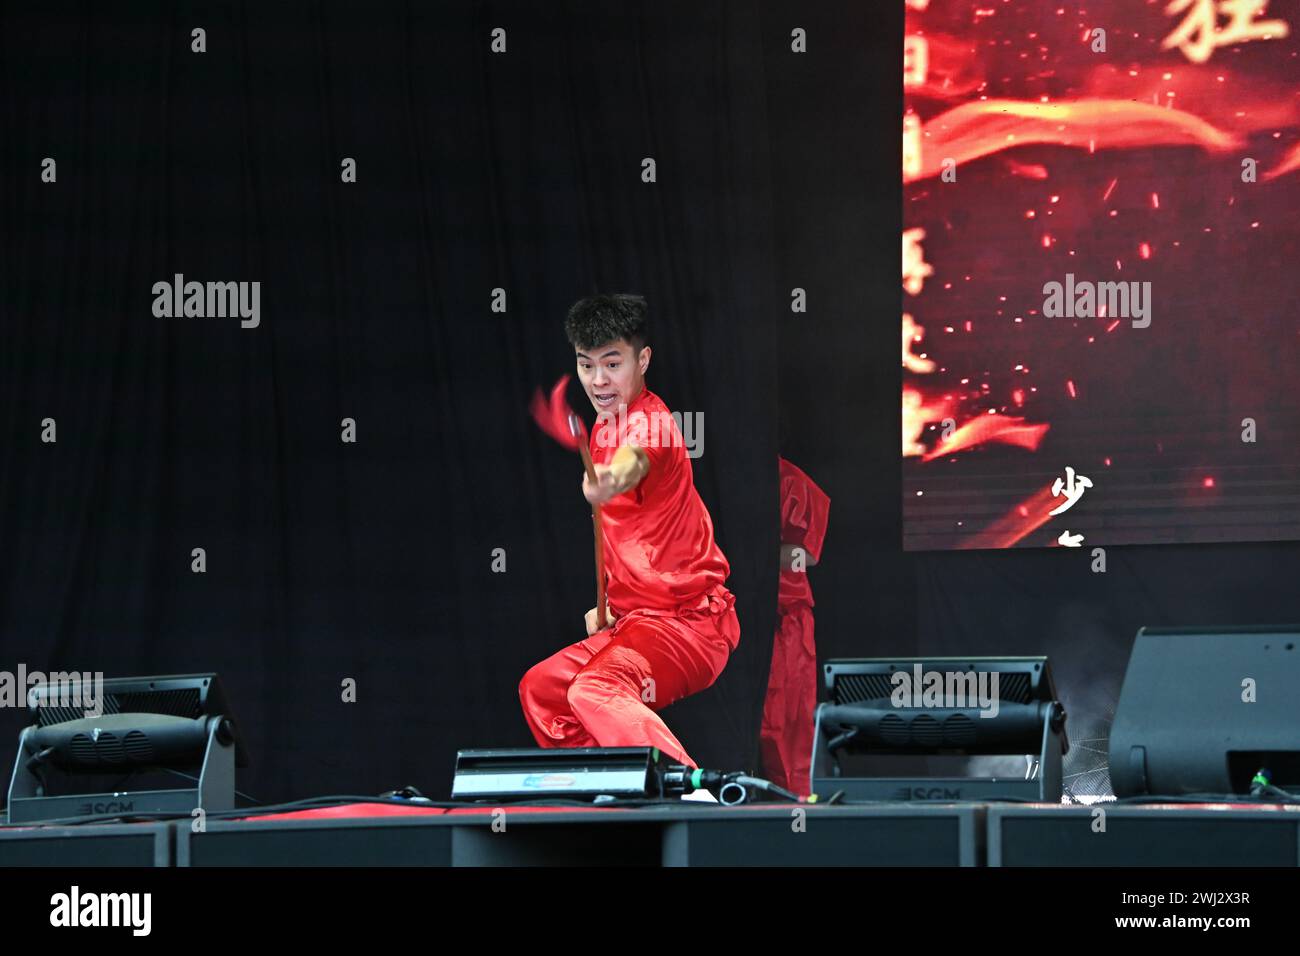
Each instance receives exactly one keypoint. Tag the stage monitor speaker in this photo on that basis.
(1202, 710)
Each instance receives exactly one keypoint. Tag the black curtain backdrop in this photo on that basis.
(370, 561)
(476, 171)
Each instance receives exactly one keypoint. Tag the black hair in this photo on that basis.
(598, 319)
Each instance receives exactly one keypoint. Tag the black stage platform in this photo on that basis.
(942, 835)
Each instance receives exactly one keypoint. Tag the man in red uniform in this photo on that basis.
(786, 738)
(674, 621)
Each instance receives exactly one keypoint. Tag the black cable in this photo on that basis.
(313, 803)
(187, 776)
(1206, 798)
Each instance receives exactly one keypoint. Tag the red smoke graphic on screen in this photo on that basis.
(1114, 145)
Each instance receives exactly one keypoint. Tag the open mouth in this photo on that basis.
(605, 400)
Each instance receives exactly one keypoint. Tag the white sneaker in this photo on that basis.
(700, 796)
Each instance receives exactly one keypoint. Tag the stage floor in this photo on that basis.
(674, 833)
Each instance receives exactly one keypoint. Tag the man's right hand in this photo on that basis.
(590, 620)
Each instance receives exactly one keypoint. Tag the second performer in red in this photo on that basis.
(674, 621)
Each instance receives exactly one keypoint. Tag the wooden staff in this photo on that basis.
(576, 428)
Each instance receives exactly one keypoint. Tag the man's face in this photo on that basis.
(612, 374)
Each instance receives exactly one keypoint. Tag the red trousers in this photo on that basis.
(786, 738)
(604, 691)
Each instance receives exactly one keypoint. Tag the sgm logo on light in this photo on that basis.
(102, 909)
